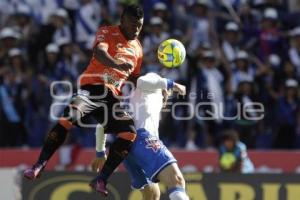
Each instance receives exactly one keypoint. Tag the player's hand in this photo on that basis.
(98, 163)
(166, 95)
(181, 89)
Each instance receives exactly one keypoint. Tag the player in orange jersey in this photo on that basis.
(116, 58)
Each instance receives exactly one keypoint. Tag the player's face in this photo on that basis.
(131, 26)
(229, 144)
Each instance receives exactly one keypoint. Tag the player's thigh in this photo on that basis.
(78, 109)
(136, 173)
(172, 176)
(120, 122)
(151, 192)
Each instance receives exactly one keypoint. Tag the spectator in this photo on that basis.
(71, 62)
(242, 69)
(12, 106)
(8, 38)
(270, 38)
(160, 10)
(42, 10)
(288, 72)
(250, 25)
(287, 116)
(245, 124)
(294, 51)
(24, 22)
(209, 89)
(87, 21)
(233, 154)
(56, 28)
(60, 19)
(151, 43)
(199, 28)
(230, 44)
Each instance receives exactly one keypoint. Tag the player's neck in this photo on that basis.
(123, 32)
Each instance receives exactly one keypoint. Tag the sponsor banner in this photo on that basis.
(195, 161)
(74, 186)
(201, 161)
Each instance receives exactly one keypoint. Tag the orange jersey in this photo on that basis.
(119, 48)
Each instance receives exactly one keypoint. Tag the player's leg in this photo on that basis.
(173, 178)
(151, 192)
(118, 151)
(77, 109)
(159, 163)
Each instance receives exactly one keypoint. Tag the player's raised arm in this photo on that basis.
(153, 81)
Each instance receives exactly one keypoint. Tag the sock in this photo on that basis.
(177, 193)
(54, 140)
(117, 153)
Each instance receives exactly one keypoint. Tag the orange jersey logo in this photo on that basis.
(120, 49)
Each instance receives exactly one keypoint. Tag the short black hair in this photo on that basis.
(134, 10)
(230, 135)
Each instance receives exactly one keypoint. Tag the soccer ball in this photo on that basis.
(171, 53)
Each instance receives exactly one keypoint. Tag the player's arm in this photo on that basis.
(100, 51)
(152, 81)
(100, 159)
(102, 55)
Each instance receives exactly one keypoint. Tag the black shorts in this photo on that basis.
(99, 102)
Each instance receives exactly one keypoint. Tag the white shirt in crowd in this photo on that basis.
(153, 40)
(87, 21)
(43, 9)
(229, 50)
(294, 55)
(200, 33)
(214, 80)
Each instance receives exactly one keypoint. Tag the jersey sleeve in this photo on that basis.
(151, 81)
(102, 37)
(100, 138)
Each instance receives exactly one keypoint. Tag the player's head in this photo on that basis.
(230, 137)
(132, 20)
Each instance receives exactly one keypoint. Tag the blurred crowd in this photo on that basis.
(242, 69)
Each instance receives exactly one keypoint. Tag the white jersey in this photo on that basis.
(147, 102)
(87, 21)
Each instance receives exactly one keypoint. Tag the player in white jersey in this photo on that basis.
(149, 160)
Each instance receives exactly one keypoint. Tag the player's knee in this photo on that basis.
(65, 122)
(180, 180)
(70, 116)
(57, 135)
(177, 181)
(151, 192)
(154, 195)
